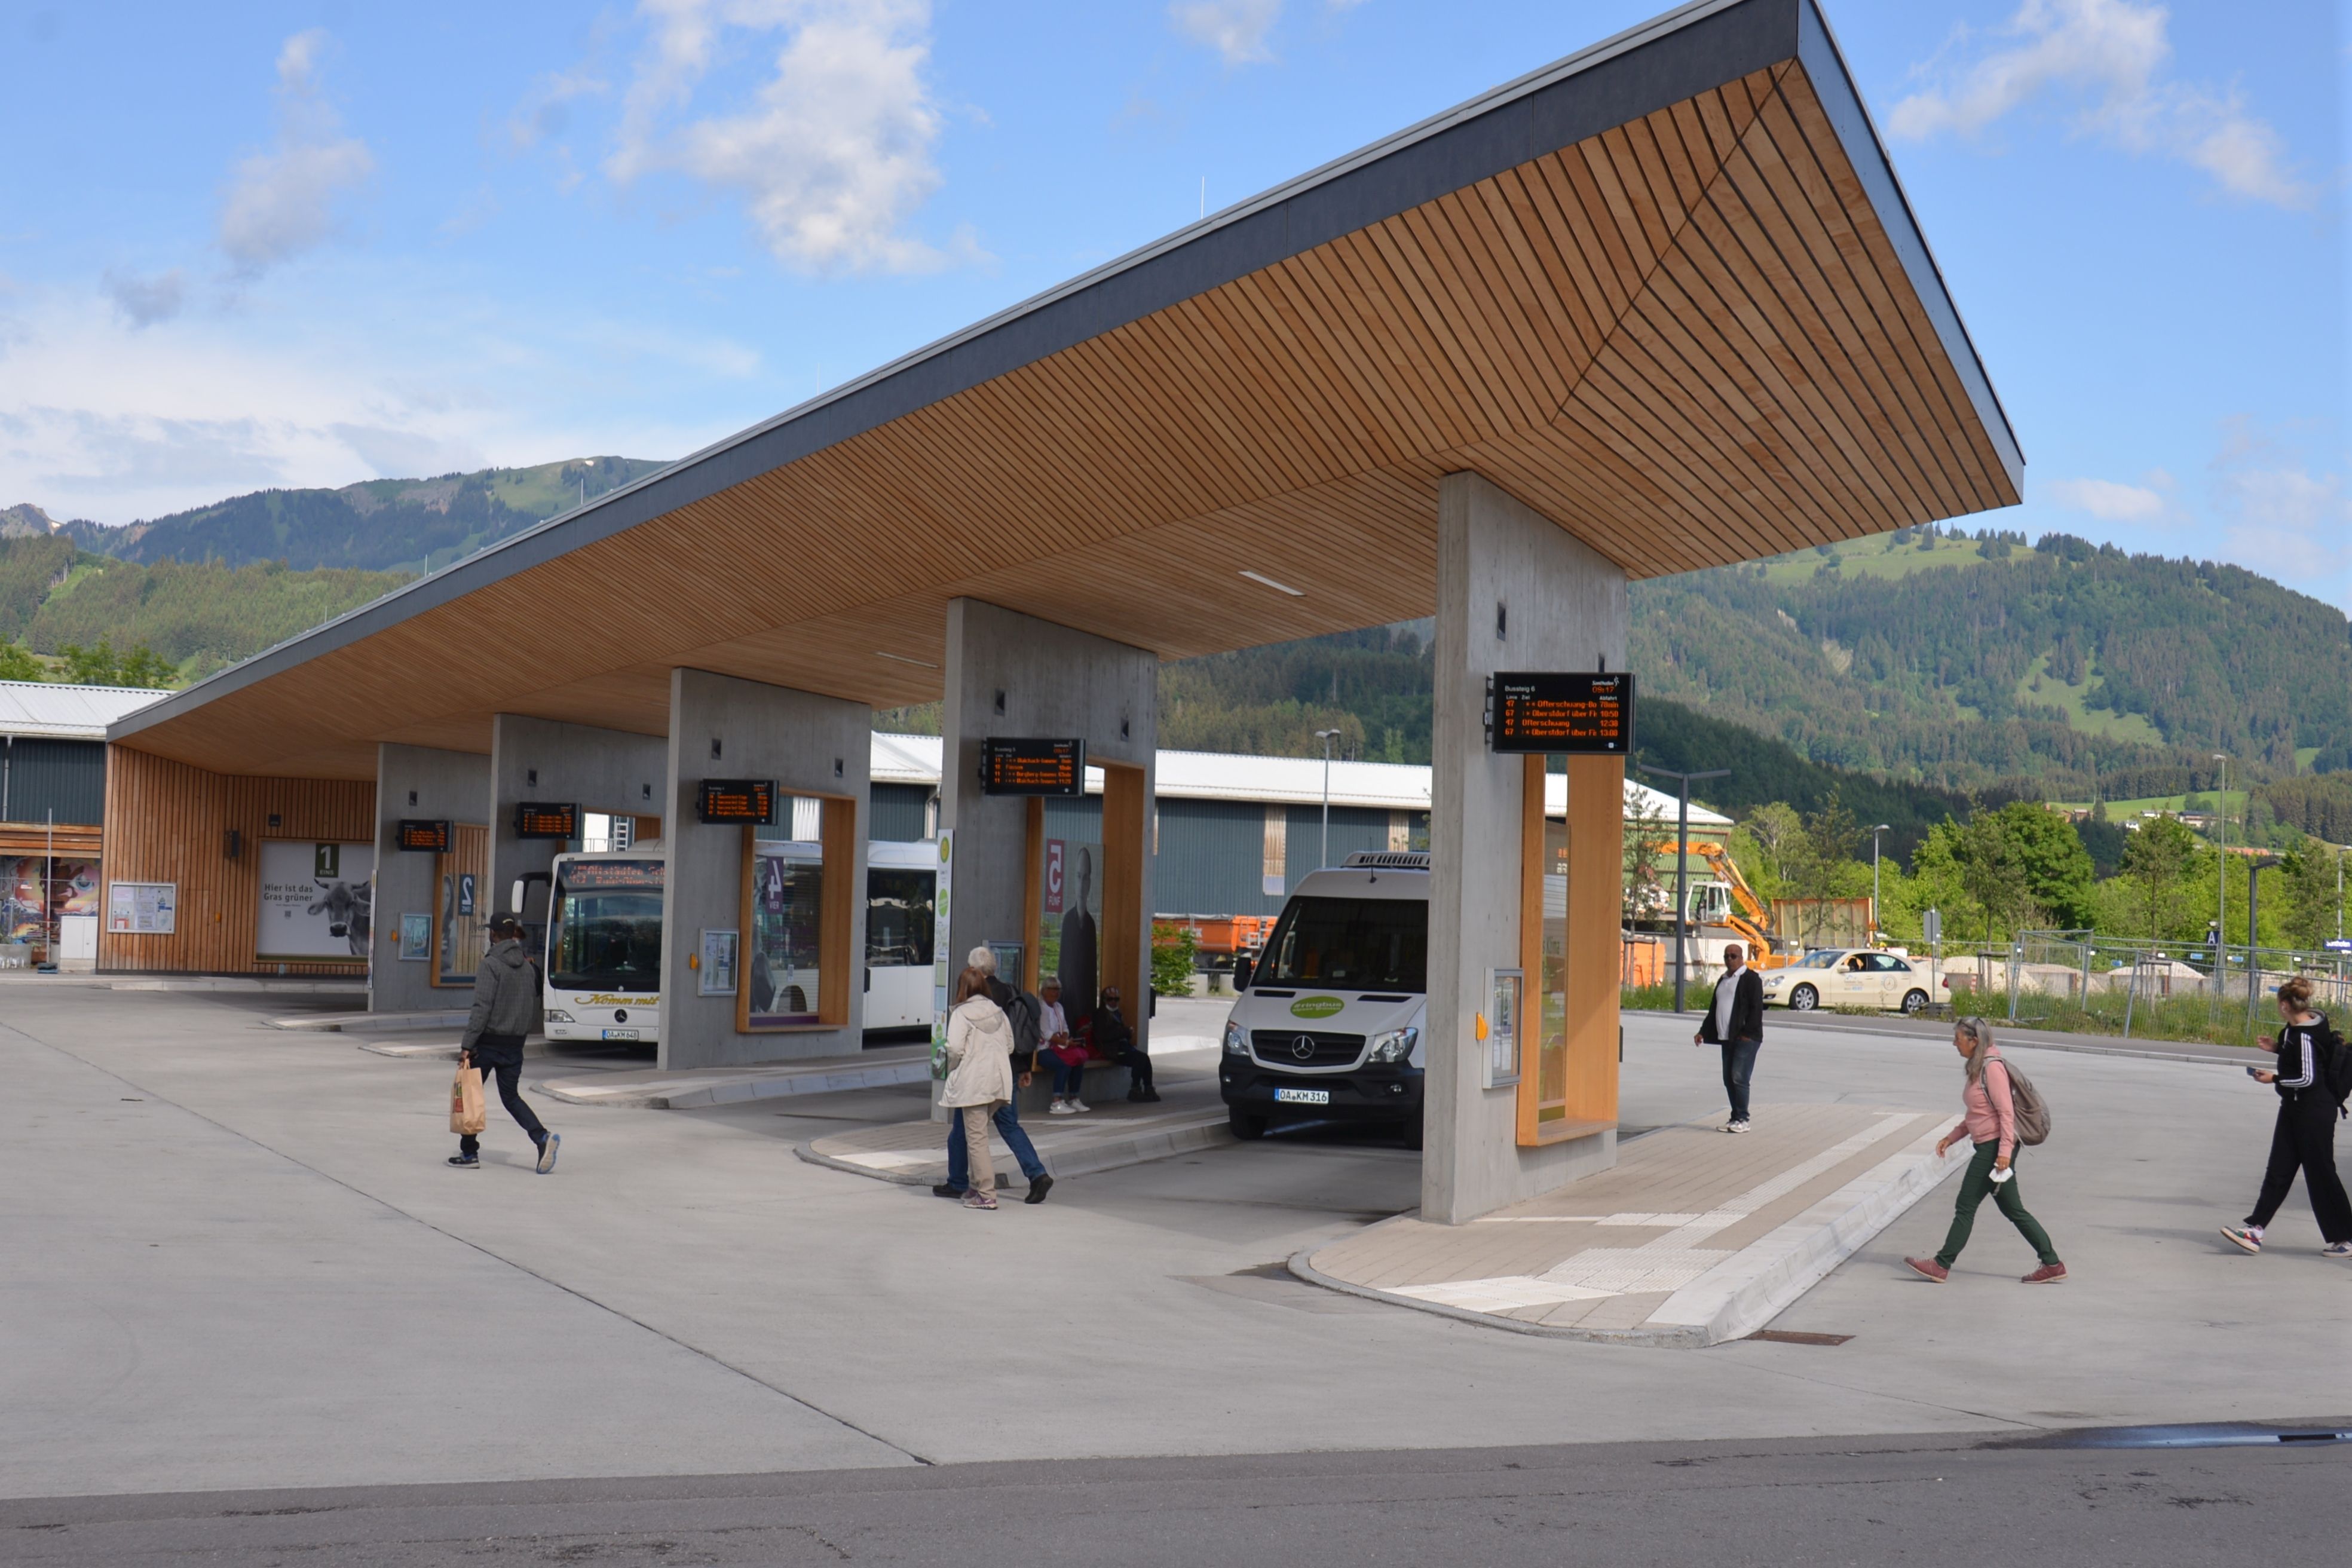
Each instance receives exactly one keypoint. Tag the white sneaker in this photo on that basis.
(2337, 1249)
(1061, 1107)
(1741, 1126)
(1080, 1106)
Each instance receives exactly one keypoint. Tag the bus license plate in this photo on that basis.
(1302, 1096)
(620, 1034)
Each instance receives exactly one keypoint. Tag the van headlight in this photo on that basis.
(1394, 1046)
(1236, 1040)
(557, 1015)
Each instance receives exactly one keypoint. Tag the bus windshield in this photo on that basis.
(605, 932)
(1364, 944)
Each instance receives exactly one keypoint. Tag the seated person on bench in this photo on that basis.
(1067, 1056)
(1115, 1042)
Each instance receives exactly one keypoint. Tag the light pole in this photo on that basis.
(1326, 736)
(2256, 866)
(2222, 866)
(1682, 869)
(1875, 923)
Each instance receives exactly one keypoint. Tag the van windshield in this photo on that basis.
(1364, 944)
(607, 928)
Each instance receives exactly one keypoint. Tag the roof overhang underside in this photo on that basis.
(1667, 292)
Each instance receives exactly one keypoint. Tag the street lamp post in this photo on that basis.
(1681, 869)
(1326, 736)
(2255, 866)
(1876, 934)
(2221, 868)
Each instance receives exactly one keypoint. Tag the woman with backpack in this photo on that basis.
(1988, 1120)
(2310, 1079)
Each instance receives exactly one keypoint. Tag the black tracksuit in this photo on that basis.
(2304, 1138)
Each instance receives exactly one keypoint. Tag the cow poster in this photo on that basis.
(316, 902)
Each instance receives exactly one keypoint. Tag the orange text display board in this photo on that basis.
(1557, 713)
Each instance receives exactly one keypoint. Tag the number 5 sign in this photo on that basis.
(1054, 847)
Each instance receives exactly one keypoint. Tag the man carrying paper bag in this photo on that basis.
(506, 1000)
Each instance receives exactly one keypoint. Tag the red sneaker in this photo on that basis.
(1928, 1269)
(2048, 1274)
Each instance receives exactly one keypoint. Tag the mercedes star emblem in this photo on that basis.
(1303, 1048)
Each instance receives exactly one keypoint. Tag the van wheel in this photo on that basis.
(1915, 1002)
(1245, 1127)
(1410, 1134)
(1804, 998)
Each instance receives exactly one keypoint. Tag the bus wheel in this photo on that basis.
(1246, 1126)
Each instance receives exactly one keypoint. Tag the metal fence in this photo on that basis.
(2050, 975)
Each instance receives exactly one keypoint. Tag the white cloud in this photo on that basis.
(2282, 517)
(2112, 52)
(2109, 501)
(282, 201)
(1236, 30)
(147, 300)
(831, 155)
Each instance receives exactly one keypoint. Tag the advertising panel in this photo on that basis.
(143, 909)
(786, 937)
(317, 902)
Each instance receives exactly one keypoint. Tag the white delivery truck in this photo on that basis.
(1330, 1019)
(604, 941)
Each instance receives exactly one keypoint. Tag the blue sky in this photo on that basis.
(307, 244)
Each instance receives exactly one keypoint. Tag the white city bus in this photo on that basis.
(604, 942)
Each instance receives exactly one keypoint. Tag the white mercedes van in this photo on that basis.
(1329, 1021)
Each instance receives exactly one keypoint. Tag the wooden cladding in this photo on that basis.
(1689, 340)
(75, 843)
(1570, 889)
(168, 822)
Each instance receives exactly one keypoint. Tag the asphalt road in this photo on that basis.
(1912, 1501)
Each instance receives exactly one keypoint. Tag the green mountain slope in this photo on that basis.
(383, 525)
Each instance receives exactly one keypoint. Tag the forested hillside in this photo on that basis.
(386, 525)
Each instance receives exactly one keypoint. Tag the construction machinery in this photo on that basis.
(1722, 901)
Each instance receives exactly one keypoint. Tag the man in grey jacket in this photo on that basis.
(506, 1003)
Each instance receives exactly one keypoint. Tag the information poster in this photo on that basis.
(143, 909)
(942, 948)
(717, 975)
(415, 939)
(317, 902)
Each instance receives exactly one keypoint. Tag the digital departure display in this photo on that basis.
(738, 800)
(547, 819)
(422, 837)
(1562, 712)
(1013, 765)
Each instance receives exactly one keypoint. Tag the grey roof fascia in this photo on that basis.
(1664, 61)
(1825, 63)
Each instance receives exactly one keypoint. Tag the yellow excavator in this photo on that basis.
(1726, 899)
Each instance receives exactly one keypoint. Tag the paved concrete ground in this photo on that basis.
(1931, 1502)
(236, 1261)
(1693, 1237)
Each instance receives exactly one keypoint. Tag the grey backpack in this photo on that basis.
(2032, 1111)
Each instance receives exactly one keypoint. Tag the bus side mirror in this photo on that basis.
(1242, 967)
(515, 903)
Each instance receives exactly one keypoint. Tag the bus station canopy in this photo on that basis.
(1666, 291)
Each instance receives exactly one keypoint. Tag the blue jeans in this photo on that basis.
(1069, 1078)
(1739, 1067)
(1008, 1122)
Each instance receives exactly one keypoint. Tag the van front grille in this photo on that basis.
(1306, 1049)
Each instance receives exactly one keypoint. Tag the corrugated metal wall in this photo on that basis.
(1353, 828)
(170, 824)
(65, 776)
(898, 812)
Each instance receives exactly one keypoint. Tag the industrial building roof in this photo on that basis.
(1287, 780)
(66, 712)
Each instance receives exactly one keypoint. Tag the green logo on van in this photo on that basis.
(1316, 1007)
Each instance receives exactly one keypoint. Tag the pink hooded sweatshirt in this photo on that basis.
(1987, 1112)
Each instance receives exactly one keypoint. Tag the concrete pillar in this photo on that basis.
(546, 760)
(1011, 674)
(1514, 591)
(428, 782)
(810, 745)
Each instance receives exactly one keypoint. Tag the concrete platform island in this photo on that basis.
(1694, 1238)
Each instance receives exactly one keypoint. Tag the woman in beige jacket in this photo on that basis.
(980, 1076)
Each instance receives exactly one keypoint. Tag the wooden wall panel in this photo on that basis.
(168, 822)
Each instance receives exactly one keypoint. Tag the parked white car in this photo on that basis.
(1849, 977)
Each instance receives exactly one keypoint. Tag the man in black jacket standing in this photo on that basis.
(1735, 1021)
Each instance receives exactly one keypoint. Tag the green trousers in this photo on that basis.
(1973, 1188)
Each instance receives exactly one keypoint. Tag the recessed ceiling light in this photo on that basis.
(902, 658)
(1278, 587)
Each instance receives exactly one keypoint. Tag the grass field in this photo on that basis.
(2056, 693)
(1870, 558)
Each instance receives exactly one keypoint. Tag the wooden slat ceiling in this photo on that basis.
(1688, 340)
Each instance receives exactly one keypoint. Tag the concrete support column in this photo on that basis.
(1514, 591)
(546, 760)
(1011, 674)
(416, 782)
(721, 727)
